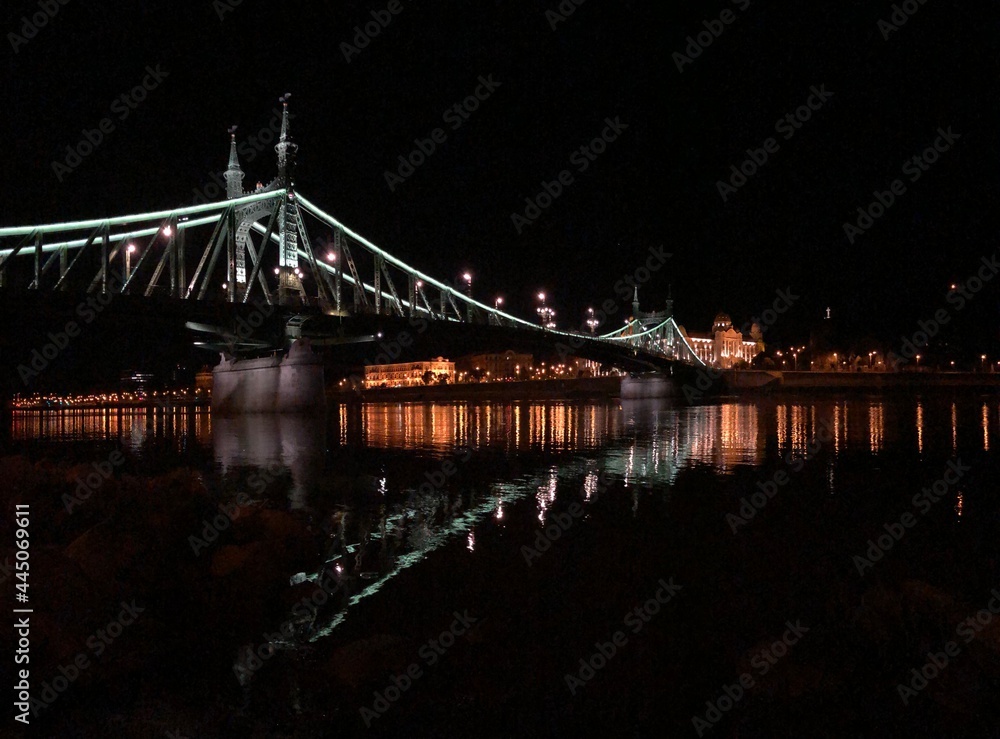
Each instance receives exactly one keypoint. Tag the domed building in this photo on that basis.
(724, 346)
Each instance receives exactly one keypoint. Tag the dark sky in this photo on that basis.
(655, 185)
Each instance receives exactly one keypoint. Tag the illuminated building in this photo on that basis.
(496, 366)
(724, 346)
(408, 374)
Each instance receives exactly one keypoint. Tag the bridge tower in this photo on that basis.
(287, 220)
(290, 289)
(234, 173)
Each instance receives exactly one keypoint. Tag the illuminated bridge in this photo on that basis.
(274, 247)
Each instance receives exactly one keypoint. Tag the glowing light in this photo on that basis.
(167, 231)
(131, 248)
(155, 216)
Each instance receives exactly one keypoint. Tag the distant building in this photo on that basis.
(724, 346)
(203, 380)
(580, 367)
(135, 380)
(501, 365)
(408, 374)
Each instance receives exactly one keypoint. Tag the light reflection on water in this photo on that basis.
(644, 445)
(673, 435)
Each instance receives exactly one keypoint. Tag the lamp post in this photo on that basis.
(591, 321)
(129, 251)
(546, 315)
(467, 277)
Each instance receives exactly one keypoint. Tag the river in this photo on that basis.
(751, 567)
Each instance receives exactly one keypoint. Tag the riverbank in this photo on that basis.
(750, 381)
(740, 382)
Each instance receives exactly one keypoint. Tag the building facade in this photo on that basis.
(496, 366)
(409, 374)
(724, 346)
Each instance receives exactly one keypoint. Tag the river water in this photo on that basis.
(556, 568)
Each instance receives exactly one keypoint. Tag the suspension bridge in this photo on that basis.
(258, 248)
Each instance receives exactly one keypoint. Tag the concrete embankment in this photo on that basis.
(872, 382)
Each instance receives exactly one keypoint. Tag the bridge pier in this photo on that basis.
(289, 384)
(648, 385)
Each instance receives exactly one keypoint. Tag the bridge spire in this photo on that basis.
(635, 303)
(285, 147)
(234, 174)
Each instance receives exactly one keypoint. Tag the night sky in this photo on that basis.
(656, 183)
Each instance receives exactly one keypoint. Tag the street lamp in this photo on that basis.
(331, 256)
(591, 321)
(498, 302)
(982, 360)
(546, 315)
(467, 276)
(167, 230)
(129, 251)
